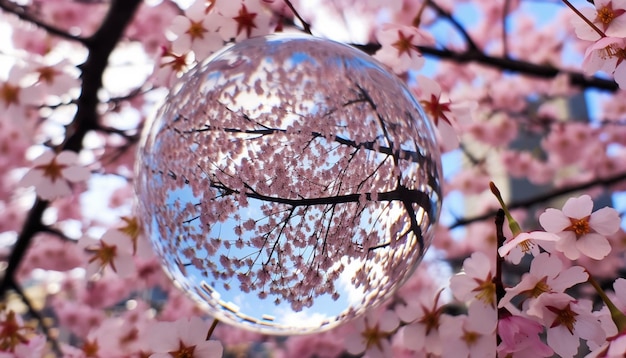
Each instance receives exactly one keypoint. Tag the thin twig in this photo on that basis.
(497, 279)
(544, 197)
(33, 312)
(24, 15)
(584, 18)
(305, 25)
(457, 25)
(505, 15)
(212, 328)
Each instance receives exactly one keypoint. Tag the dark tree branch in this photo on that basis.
(23, 14)
(457, 25)
(508, 64)
(543, 198)
(100, 46)
(306, 27)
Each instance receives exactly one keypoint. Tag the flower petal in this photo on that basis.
(578, 208)
(605, 221)
(553, 220)
(594, 245)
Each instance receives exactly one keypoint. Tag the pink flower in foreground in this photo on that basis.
(372, 334)
(471, 335)
(183, 338)
(609, 16)
(423, 315)
(608, 55)
(113, 250)
(399, 47)
(196, 31)
(582, 232)
(520, 338)
(546, 275)
(525, 243)
(566, 321)
(242, 19)
(476, 280)
(52, 174)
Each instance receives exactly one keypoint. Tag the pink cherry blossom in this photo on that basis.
(423, 318)
(608, 16)
(520, 338)
(546, 275)
(196, 31)
(399, 47)
(471, 335)
(52, 174)
(475, 282)
(582, 232)
(525, 243)
(171, 66)
(372, 334)
(448, 117)
(607, 54)
(566, 321)
(183, 338)
(242, 19)
(15, 97)
(113, 250)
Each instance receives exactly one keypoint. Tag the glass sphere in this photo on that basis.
(289, 184)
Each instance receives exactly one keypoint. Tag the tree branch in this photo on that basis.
(543, 198)
(443, 13)
(23, 14)
(508, 64)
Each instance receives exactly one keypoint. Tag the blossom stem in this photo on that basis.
(616, 315)
(593, 26)
(212, 328)
(515, 228)
(497, 279)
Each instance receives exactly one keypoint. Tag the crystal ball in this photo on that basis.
(289, 184)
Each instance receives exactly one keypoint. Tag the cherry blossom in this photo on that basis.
(423, 318)
(183, 338)
(372, 334)
(113, 250)
(471, 335)
(607, 54)
(566, 321)
(242, 19)
(448, 117)
(520, 337)
(526, 243)
(582, 232)
(14, 96)
(546, 275)
(399, 47)
(196, 31)
(52, 174)
(475, 282)
(13, 333)
(171, 66)
(608, 17)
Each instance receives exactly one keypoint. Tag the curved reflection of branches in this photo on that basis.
(274, 185)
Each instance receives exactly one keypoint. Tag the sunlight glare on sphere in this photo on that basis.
(289, 184)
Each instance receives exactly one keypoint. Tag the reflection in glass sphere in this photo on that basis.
(289, 183)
